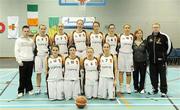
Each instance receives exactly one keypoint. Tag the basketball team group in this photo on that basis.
(92, 63)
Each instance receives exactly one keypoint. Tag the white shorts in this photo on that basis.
(125, 62)
(55, 89)
(106, 88)
(40, 64)
(71, 89)
(91, 88)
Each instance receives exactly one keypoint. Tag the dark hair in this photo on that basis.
(104, 44)
(111, 25)
(25, 26)
(54, 46)
(96, 22)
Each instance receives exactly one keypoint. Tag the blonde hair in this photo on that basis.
(156, 23)
(126, 25)
(90, 48)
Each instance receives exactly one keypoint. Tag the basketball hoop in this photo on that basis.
(82, 2)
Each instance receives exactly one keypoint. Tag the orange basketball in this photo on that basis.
(81, 101)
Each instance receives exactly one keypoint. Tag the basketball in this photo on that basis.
(81, 102)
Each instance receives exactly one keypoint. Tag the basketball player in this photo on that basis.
(125, 58)
(96, 39)
(112, 38)
(79, 39)
(61, 39)
(54, 73)
(90, 65)
(42, 43)
(108, 71)
(71, 75)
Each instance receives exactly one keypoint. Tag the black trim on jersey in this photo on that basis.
(35, 50)
(113, 62)
(63, 34)
(119, 44)
(116, 42)
(48, 65)
(90, 38)
(86, 42)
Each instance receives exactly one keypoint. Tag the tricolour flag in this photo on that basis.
(32, 15)
(53, 26)
(13, 27)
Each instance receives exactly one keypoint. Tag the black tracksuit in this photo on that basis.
(140, 65)
(157, 46)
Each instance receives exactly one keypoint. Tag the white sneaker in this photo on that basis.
(38, 91)
(135, 91)
(142, 91)
(31, 92)
(20, 95)
(163, 95)
(128, 89)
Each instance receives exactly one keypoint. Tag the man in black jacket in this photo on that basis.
(159, 47)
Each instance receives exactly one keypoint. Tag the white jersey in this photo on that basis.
(91, 69)
(80, 40)
(72, 67)
(96, 41)
(55, 68)
(106, 66)
(62, 42)
(42, 44)
(126, 44)
(113, 42)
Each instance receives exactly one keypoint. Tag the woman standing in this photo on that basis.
(61, 39)
(96, 39)
(125, 58)
(140, 58)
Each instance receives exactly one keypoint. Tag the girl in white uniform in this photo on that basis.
(125, 58)
(71, 75)
(90, 65)
(54, 73)
(42, 43)
(108, 70)
(79, 39)
(61, 39)
(96, 39)
(112, 38)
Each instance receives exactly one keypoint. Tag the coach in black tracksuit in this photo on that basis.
(159, 47)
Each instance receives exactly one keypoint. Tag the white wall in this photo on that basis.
(138, 13)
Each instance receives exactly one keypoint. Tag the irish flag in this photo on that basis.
(32, 15)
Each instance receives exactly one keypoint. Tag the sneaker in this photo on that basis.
(135, 91)
(128, 89)
(163, 95)
(38, 91)
(153, 92)
(20, 95)
(31, 92)
(142, 91)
